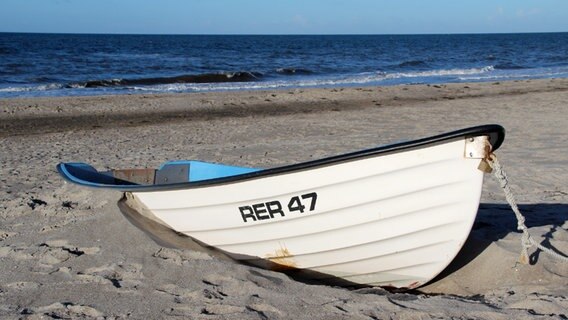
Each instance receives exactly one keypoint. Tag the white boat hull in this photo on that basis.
(395, 220)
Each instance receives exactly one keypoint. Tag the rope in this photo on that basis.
(527, 241)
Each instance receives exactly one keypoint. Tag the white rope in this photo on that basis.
(527, 241)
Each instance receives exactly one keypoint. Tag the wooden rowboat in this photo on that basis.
(394, 215)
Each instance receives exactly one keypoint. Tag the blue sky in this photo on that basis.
(283, 16)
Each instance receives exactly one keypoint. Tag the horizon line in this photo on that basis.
(279, 34)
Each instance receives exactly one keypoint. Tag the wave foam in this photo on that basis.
(43, 87)
(442, 72)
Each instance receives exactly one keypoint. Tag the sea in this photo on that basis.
(35, 65)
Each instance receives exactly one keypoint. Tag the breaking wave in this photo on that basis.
(367, 78)
(200, 78)
(255, 81)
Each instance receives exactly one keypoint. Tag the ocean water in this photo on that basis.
(69, 64)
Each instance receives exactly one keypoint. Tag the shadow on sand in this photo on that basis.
(495, 221)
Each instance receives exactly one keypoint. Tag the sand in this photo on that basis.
(67, 251)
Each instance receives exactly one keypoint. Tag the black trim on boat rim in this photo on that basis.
(495, 132)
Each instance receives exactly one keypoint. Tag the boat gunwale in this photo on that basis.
(495, 132)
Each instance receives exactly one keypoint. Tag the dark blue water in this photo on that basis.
(64, 64)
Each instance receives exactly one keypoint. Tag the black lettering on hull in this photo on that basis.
(274, 209)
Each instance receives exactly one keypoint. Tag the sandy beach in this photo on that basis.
(68, 252)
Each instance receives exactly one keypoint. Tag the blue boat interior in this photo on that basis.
(171, 172)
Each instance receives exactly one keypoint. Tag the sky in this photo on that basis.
(283, 16)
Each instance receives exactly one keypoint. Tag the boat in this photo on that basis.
(391, 216)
